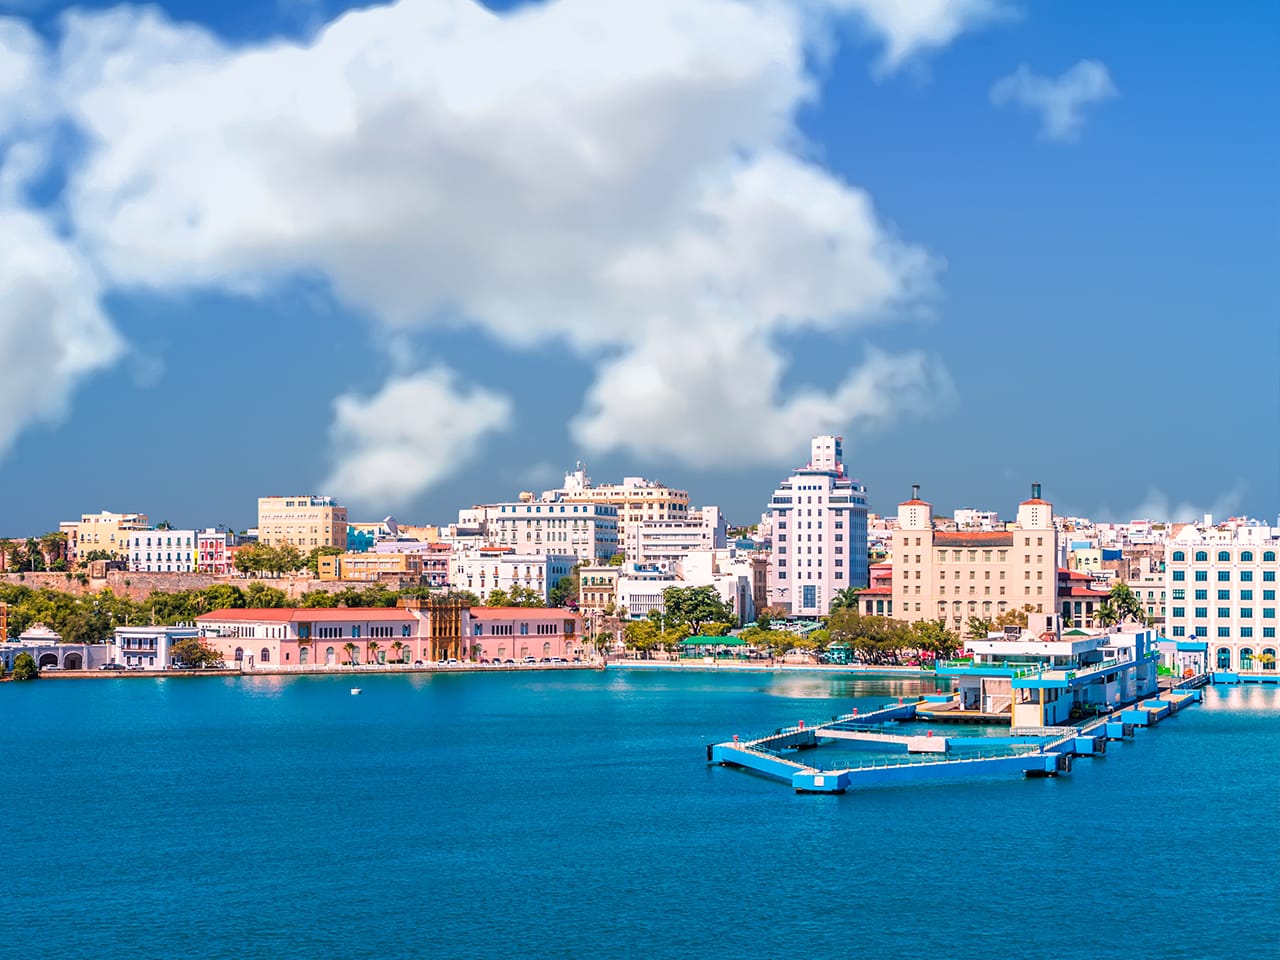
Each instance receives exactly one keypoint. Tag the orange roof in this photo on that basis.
(1083, 592)
(289, 614)
(1036, 502)
(915, 502)
(875, 591)
(1065, 574)
(484, 613)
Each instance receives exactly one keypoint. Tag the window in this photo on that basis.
(1268, 594)
(264, 656)
(1224, 613)
(1224, 594)
(1200, 595)
(1246, 556)
(1268, 632)
(1179, 631)
(1268, 613)
(1269, 556)
(1224, 632)
(1201, 576)
(1180, 593)
(1246, 576)
(1224, 556)
(1179, 556)
(1268, 576)
(1224, 576)
(1246, 594)
(1179, 611)
(1246, 632)
(1202, 556)
(1202, 612)
(1178, 575)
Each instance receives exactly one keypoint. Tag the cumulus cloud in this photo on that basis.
(1060, 100)
(620, 178)
(413, 432)
(910, 27)
(52, 330)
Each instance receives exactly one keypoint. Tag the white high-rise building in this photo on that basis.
(819, 519)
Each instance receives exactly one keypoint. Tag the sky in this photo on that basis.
(424, 255)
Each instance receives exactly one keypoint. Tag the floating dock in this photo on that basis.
(915, 758)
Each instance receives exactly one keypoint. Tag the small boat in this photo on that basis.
(356, 691)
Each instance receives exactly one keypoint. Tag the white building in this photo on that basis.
(970, 519)
(589, 531)
(819, 533)
(495, 568)
(1223, 592)
(148, 648)
(162, 551)
(653, 541)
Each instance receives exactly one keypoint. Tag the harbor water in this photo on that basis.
(572, 814)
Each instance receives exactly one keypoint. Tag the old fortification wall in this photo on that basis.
(137, 586)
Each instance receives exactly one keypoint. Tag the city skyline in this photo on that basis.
(989, 244)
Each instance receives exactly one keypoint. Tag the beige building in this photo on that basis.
(597, 587)
(306, 522)
(636, 499)
(958, 575)
(370, 566)
(103, 531)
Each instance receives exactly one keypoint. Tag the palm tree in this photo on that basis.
(848, 597)
(1106, 614)
(397, 648)
(349, 649)
(373, 647)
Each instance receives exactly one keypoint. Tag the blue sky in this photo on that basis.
(825, 217)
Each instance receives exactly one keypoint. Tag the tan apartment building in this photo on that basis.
(370, 566)
(306, 522)
(637, 500)
(597, 587)
(103, 531)
(958, 575)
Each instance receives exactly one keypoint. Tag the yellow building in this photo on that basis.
(306, 522)
(103, 531)
(635, 498)
(369, 566)
(597, 587)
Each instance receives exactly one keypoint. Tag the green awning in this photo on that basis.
(713, 642)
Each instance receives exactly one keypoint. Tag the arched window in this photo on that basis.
(1224, 556)
(1269, 556)
(1224, 658)
(239, 654)
(328, 656)
(266, 656)
(1179, 556)
(1202, 556)
(1268, 658)
(1246, 556)
(1246, 658)
(303, 654)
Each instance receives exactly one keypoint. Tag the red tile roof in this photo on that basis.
(289, 614)
(1065, 574)
(1036, 502)
(493, 613)
(914, 503)
(1083, 592)
(876, 592)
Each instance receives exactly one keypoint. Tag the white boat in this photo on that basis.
(356, 691)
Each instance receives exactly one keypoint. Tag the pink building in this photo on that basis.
(300, 636)
(514, 633)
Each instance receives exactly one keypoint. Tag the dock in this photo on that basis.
(916, 758)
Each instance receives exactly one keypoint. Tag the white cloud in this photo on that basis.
(1158, 505)
(1060, 100)
(911, 27)
(615, 177)
(414, 432)
(52, 330)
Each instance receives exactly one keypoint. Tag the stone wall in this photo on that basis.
(138, 586)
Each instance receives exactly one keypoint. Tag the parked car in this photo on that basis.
(453, 661)
(510, 661)
(530, 660)
(50, 666)
(112, 666)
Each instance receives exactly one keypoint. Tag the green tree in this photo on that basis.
(617, 560)
(397, 651)
(194, 652)
(848, 597)
(24, 667)
(1126, 604)
(643, 636)
(222, 596)
(1106, 614)
(349, 649)
(692, 607)
(317, 598)
(1014, 618)
(498, 598)
(933, 636)
(286, 558)
(526, 597)
(566, 589)
(259, 596)
(978, 627)
(373, 648)
(92, 555)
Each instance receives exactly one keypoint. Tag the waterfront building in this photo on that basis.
(148, 647)
(877, 599)
(433, 557)
(102, 531)
(418, 631)
(1041, 677)
(488, 569)
(1222, 591)
(957, 576)
(306, 522)
(598, 587)
(819, 521)
(163, 551)
(49, 651)
(516, 633)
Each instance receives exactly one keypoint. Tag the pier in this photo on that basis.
(916, 758)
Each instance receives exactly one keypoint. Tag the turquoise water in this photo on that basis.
(572, 814)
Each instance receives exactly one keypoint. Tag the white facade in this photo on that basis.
(589, 531)
(655, 541)
(486, 570)
(970, 519)
(162, 551)
(819, 521)
(1223, 592)
(147, 648)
